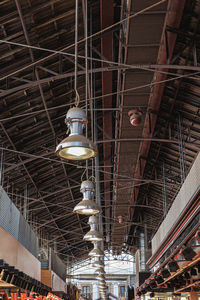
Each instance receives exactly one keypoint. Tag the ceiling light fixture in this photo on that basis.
(96, 252)
(87, 206)
(100, 271)
(93, 235)
(101, 277)
(97, 262)
(76, 146)
(102, 287)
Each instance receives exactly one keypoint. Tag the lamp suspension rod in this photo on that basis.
(86, 72)
(76, 54)
(91, 89)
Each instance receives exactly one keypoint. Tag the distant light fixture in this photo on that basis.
(100, 271)
(135, 116)
(102, 284)
(96, 252)
(87, 206)
(93, 235)
(101, 277)
(98, 263)
(76, 146)
(120, 220)
(101, 280)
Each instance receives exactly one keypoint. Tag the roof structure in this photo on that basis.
(142, 55)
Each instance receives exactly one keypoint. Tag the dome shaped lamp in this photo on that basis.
(93, 235)
(98, 263)
(96, 252)
(100, 271)
(87, 206)
(76, 146)
(99, 278)
(102, 288)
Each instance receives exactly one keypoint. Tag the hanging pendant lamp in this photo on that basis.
(102, 287)
(100, 278)
(99, 271)
(93, 235)
(87, 206)
(76, 146)
(98, 263)
(96, 252)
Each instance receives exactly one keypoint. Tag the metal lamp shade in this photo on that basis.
(102, 288)
(101, 280)
(100, 271)
(93, 236)
(76, 147)
(96, 253)
(100, 277)
(87, 207)
(98, 263)
(101, 283)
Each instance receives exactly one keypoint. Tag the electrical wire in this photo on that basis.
(102, 96)
(82, 40)
(146, 67)
(77, 98)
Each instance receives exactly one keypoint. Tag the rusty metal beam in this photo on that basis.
(171, 20)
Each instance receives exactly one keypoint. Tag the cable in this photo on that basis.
(102, 96)
(146, 67)
(91, 36)
(77, 98)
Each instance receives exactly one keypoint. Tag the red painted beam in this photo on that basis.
(106, 19)
(173, 19)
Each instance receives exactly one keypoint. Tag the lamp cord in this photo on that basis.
(77, 99)
(86, 72)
